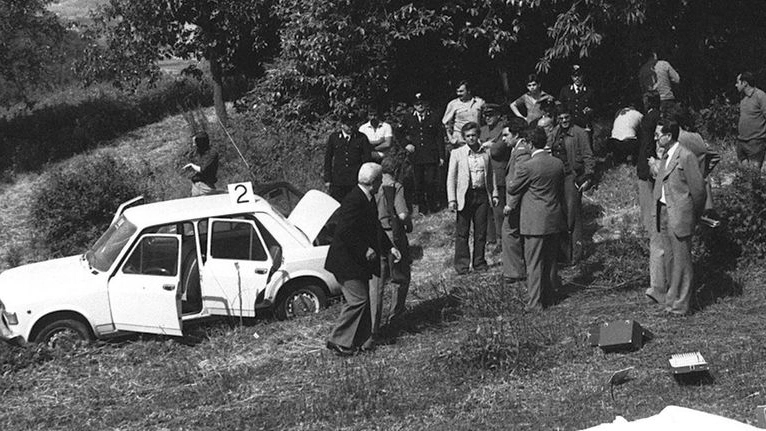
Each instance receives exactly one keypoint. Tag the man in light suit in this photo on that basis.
(540, 182)
(471, 189)
(354, 258)
(679, 191)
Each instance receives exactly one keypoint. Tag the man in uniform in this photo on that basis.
(346, 150)
(424, 139)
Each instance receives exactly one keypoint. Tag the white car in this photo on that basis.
(161, 264)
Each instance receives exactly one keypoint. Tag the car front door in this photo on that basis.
(237, 267)
(143, 293)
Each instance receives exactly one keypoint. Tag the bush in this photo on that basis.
(719, 119)
(75, 203)
(742, 205)
(74, 121)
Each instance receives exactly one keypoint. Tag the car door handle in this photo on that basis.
(168, 286)
(261, 271)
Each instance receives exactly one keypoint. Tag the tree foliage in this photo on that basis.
(30, 39)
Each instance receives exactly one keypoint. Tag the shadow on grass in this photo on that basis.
(427, 314)
(717, 258)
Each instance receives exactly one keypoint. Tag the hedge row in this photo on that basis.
(57, 131)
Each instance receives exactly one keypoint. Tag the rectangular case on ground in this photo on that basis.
(617, 335)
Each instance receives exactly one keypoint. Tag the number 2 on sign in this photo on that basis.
(241, 193)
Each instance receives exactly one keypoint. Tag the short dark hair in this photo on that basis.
(748, 77)
(390, 165)
(537, 137)
(670, 126)
(467, 84)
(471, 125)
(563, 109)
(517, 125)
(532, 77)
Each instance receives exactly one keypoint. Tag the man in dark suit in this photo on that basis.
(540, 182)
(514, 268)
(571, 144)
(424, 137)
(354, 258)
(679, 193)
(346, 150)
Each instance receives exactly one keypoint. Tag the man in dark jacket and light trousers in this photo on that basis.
(540, 182)
(354, 258)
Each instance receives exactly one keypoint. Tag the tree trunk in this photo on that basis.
(220, 105)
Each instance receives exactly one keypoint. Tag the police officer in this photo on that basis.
(577, 98)
(424, 138)
(346, 151)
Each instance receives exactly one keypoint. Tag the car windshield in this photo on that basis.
(108, 247)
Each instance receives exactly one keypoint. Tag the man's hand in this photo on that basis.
(397, 254)
(452, 206)
(441, 162)
(654, 166)
(486, 145)
(507, 210)
(370, 255)
(327, 185)
(410, 148)
(495, 201)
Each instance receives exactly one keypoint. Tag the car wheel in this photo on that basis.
(65, 334)
(301, 300)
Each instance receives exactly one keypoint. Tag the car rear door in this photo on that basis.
(236, 269)
(143, 293)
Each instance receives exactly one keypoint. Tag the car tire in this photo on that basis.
(65, 334)
(300, 300)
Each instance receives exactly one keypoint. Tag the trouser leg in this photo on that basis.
(533, 254)
(462, 229)
(480, 223)
(376, 286)
(513, 249)
(354, 322)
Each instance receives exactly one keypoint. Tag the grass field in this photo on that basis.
(464, 357)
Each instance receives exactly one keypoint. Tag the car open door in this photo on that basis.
(143, 293)
(236, 269)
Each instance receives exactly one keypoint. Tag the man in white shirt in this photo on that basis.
(466, 108)
(624, 140)
(379, 133)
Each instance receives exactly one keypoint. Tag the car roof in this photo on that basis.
(193, 208)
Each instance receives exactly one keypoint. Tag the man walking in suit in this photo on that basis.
(679, 193)
(540, 183)
(471, 189)
(354, 258)
(346, 150)
(514, 268)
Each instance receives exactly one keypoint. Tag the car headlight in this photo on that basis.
(8, 317)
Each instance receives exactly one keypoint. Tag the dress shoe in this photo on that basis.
(340, 350)
(654, 296)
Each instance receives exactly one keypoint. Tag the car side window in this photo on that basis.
(236, 240)
(153, 255)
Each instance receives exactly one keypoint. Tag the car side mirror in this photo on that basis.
(276, 256)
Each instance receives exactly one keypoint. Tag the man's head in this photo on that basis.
(201, 141)
(419, 103)
(370, 176)
(650, 54)
(537, 137)
(464, 90)
(577, 75)
(470, 132)
(533, 83)
(346, 123)
(744, 80)
(564, 118)
(666, 133)
(373, 116)
(491, 114)
(512, 132)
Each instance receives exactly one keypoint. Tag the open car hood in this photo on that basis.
(312, 213)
